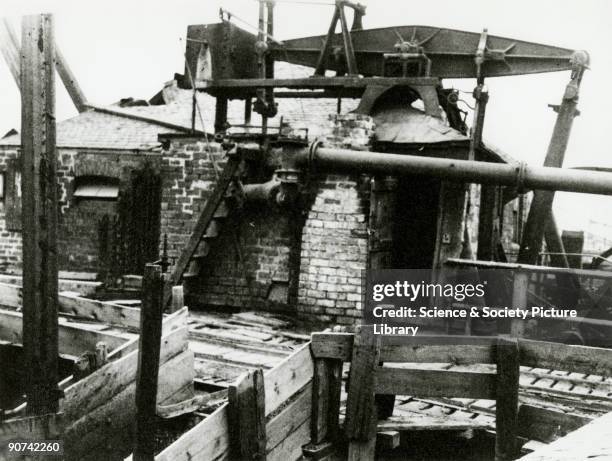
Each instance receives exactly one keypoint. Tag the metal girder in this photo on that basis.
(452, 52)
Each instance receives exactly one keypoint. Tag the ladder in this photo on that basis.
(206, 229)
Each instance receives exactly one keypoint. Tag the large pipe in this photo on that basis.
(521, 176)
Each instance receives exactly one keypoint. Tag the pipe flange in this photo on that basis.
(521, 173)
(312, 151)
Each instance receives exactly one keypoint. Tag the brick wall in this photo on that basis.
(334, 242)
(188, 178)
(78, 239)
(10, 241)
(248, 264)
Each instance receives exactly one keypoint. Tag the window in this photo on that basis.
(96, 188)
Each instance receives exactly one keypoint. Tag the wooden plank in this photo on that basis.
(170, 323)
(247, 417)
(40, 214)
(189, 405)
(291, 447)
(91, 309)
(98, 388)
(580, 359)
(208, 440)
(114, 420)
(35, 428)
(290, 419)
(424, 422)
(442, 349)
(72, 339)
(592, 441)
(288, 377)
(106, 312)
(506, 407)
(320, 401)
(435, 383)
(148, 361)
(360, 421)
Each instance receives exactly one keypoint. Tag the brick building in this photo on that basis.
(131, 174)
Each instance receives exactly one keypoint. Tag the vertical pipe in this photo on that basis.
(40, 325)
(149, 347)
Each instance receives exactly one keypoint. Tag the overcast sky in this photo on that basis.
(120, 48)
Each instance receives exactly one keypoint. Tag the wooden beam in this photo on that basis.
(9, 45)
(39, 204)
(435, 383)
(360, 422)
(95, 390)
(247, 417)
(424, 349)
(73, 340)
(148, 362)
(45, 427)
(70, 82)
(555, 356)
(506, 408)
(291, 418)
(207, 440)
(107, 431)
(288, 377)
(11, 50)
(488, 222)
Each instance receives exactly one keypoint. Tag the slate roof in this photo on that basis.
(140, 127)
(97, 129)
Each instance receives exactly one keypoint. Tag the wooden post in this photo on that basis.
(178, 298)
(488, 222)
(383, 204)
(520, 286)
(541, 204)
(10, 50)
(39, 198)
(506, 413)
(247, 418)
(149, 347)
(360, 422)
(221, 115)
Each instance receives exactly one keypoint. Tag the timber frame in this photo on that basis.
(294, 408)
(103, 390)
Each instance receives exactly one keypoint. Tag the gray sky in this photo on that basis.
(120, 48)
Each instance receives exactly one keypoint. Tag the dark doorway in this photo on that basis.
(415, 223)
